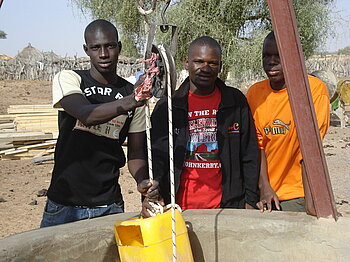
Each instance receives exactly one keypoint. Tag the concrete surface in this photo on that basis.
(215, 235)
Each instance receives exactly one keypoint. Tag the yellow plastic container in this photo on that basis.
(343, 90)
(150, 239)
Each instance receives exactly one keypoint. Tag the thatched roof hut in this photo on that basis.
(30, 55)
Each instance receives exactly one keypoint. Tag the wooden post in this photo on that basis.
(295, 74)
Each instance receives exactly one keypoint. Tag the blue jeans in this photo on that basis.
(56, 214)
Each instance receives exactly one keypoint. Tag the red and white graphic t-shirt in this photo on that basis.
(200, 184)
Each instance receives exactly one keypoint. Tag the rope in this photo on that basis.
(171, 152)
(142, 91)
(144, 88)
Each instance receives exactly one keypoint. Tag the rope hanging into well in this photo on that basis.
(171, 151)
(162, 50)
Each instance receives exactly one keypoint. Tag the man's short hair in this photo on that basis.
(205, 41)
(99, 24)
(270, 36)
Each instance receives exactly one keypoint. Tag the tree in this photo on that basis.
(344, 51)
(2, 35)
(240, 27)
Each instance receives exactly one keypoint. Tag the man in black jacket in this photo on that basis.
(215, 150)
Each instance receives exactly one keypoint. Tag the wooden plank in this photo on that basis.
(7, 117)
(35, 120)
(22, 136)
(4, 146)
(45, 152)
(25, 109)
(7, 150)
(12, 130)
(27, 142)
(23, 154)
(48, 129)
(10, 157)
(49, 106)
(41, 145)
(29, 110)
(39, 160)
(12, 152)
(24, 119)
(31, 106)
(7, 125)
(288, 41)
(36, 125)
(12, 117)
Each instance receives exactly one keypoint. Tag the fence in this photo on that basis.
(338, 64)
(46, 68)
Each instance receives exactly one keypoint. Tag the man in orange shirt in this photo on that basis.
(281, 160)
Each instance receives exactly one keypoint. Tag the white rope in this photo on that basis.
(159, 209)
(148, 138)
(171, 152)
(139, 94)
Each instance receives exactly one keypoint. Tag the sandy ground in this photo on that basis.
(21, 206)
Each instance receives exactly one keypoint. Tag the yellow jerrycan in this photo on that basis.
(150, 239)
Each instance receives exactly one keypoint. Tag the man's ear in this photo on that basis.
(220, 66)
(186, 63)
(120, 46)
(85, 48)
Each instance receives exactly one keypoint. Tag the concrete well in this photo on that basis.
(215, 235)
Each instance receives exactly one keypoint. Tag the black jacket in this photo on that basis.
(236, 137)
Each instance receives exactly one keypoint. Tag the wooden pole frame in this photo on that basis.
(295, 74)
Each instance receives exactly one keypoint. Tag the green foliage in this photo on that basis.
(239, 26)
(344, 51)
(236, 25)
(314, 23)
(2, 34)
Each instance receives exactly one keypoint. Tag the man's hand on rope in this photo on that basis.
(150, 189)
(141, 92)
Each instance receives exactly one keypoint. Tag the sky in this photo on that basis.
(48, 25)
(58, 26)
(341, 15)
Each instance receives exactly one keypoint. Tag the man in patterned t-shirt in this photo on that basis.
(215, 149)
(98, 111)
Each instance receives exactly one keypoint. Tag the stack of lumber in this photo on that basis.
(34, 118)
(28, 131)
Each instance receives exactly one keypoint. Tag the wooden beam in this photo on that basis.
(288, 42)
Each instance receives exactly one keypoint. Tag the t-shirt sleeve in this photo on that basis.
(251, 98)
(65, 83)
(260, 139)
(138, 123)
(322, 109)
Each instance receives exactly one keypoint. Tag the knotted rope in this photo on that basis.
(143, 90)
